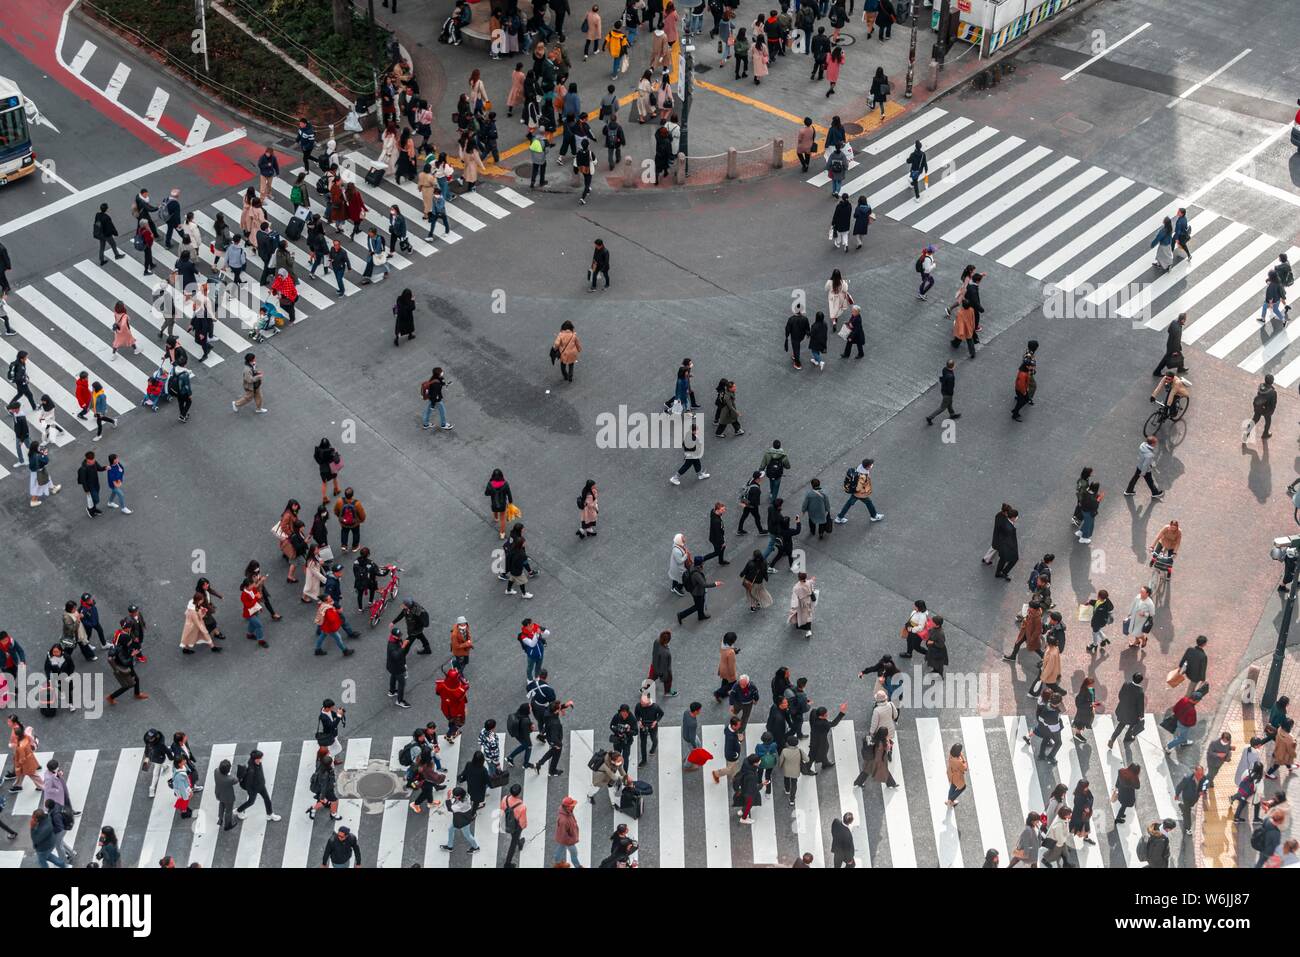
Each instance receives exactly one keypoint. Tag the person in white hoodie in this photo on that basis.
(677, 564)
(692, 454)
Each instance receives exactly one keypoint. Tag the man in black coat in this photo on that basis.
(599, 263)
(395, 661)
(697, 587)
(947, 383)
(1195, 662)
(254, 784)
(842, 841)
(1263, 405)
(796, 331)
(172, 210)
(717, 536)
(1129, 710)
(106, 233)
(88, 479)
(780, 724)
(751, 496)
(1173, 356)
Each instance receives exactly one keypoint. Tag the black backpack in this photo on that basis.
(774, 469)
(850, 480)
(596, 761)
(241, 773)
(12, 374)
(920, 261)
(512, 819)
(404, 756)
(582, 499)
(512, 725)
(1257, 838)
(1142, 847)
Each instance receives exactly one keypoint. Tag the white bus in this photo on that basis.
(16, 113)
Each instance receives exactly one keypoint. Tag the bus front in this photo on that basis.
(16, 159)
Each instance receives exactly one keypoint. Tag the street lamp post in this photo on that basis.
(686, 91)
(1284, 550)
(911, 52)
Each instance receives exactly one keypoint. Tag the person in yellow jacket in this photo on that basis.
(616, 45)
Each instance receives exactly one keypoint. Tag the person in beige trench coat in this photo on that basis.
(802, 603)
(568, 347)
(195, 632)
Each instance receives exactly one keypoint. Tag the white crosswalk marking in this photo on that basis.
(763, 831)
(437, 822)
(898, 824)
(1029, 790)
(392, 831)
(981, 787)
(1069, 773)
(298, 826)
(717, 800)
(896, 165)
(1129, 831)
(906, 132)
(103, 315)
(253, 831)
(156, 106)
(198, 130)
(1094, 233)
(1141, 266)
(84, 338)
(29, 799)
(1006, 173)
(474, 198)
(118, 808)
(822, 178)
(1251, 327)
(487, 826)
(1255, 255)
(117, 81)
(1009, 199)
(846, 769)
(580, 751)
(944, 182)
(808, 821)
(56, 353)
(355, 758)
(1140, 235)
(1157, 769)
(207, 833)
(83, 56)
(538, 823)
(78, 778)
(934, 761)
(1037, 211)
(672, 837)
(514, 197)
(414, 218)
(44, 383)
(158, 830)
(883, 194)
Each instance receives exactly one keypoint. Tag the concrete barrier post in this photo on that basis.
(679, 171)
(778, 153)
(629, 173)
(733, 163)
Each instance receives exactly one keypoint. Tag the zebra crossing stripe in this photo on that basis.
(904, 132)
(898, 823)
(1012, 196)
(125, 777)
(158, 830)
(1069, 772)
(763, 831)
(1053, 231)
(514, 197)
(29, 799)
(897, 164)
(488, 825)
(672, 836)
(83, 56)
(83, 337)
(844, 743)
(934, 763)
(1266, 352)
(1094, 233)
(380, 220)
(1260, 249)
(78, 781)
(454, 213)
(253, 830)
(392, 829)
(1288, 374)
(1157, 768)
(822, 178)
(46, 384)
(117, 81)
(1176, 276)
(412, 214)
(808, 823)
(1138, 236)
(57, 354)
(198, 130)
(155, 283)
(981, 787)
(534, 850)
(947, 183)
(581, 748)
(355, 758)
(482, 202)
(1037, 211)
(1029, 790)
(1005, 174)
(885, 193)
(299, 829)
(437, 822)
(1103, 726)
(205, 833)
(717, 800)
(102, 314)
(633, 825)
(156, 106)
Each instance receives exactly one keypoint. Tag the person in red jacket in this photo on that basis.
(83, 393)
(285, 288)
(1185, 714)
(454, 694)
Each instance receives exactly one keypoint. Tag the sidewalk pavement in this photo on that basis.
(1217, 841)
(725, 112)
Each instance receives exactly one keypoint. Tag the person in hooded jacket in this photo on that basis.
(453, 693)
(395, 662)
(796, 330)
(841, 223)
(1263, 405)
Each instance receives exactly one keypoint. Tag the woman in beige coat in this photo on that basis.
(726, 667)
(802, 603)
(195, 631)
(251, 219)
(566, 348)
(473, 165)
(1049, 675)
(957, 768)
(25, 763)
(313, 575)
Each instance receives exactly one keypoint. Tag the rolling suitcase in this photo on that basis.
(374, 177)
(631, 803)
(293, 230)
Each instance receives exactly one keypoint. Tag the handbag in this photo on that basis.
(1175, 678)
(843, 331)
(379, 258)
(337, 465)
(278, 532)
(989, 556)
(500, 779)
(42, 476)
(1128, 623)
(325, 553)
(487, 104)
(1169, 722)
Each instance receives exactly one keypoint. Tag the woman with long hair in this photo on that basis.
(590, 509)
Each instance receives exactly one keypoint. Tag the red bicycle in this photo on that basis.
(385, 595)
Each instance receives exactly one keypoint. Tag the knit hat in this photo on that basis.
(461, 620)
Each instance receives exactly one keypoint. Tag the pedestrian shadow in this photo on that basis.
(1259, 479)
(1140, 522)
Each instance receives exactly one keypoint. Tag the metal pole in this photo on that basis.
(1274, 683)
(688, 85)
(911, 53)
(203, 32)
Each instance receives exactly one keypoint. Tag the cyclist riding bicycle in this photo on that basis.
(1174, 388)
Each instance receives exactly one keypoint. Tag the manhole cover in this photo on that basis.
(852, 129)
(372, 785)
(702, 68)
(847, 40)
(524, 169)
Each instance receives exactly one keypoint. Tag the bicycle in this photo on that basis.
(1173, 412)
(385, 595)
(1162, 566)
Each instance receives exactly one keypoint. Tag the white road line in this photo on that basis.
(960, 177)
(515, 197)
(808, 822)
(982, 787)
(276, 214)
(122, 179)
(904, 132)
(83, 57)
(11, 859)
(822, 178)
(1070, 773)
(533, 853)
(1248, 328)
(117, 81)
(1038, 210)
(1103, 726)
(252, 832)
(1114, 46)
(1029, 790)
(48, 173)
(1142, 264)
(934, 761)
(580, 751)
(988, 184)
(77, 331)
(69, 363)
(392, 832)
(672, 834)
(205, 838)
(158, 832)
(898, 819)
(843, 739)
(1196, 86)
(904, 184)
(437, 821)
(1094, 234)
(1237, 164)
(417, 244)
(396, 260)
(1157, 768)
(717, 800)
(156, 106)
(1008, 199)
(763, 831)
(413, 215)
(198, 130)
(355, 758)
(298, 826)
(1288, 374)
(78, 778)
(1261, 248)
(1139, 235)
(896, 165)
(455, 212)
(43, 382)
(487, 825)
(482, 202)
(118, 809)
(153, 282)
(1076, 217)
(1268, 189)
(633, 825)
(1176, 277)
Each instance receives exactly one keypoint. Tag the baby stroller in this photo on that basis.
(155, 391)
(269, 322)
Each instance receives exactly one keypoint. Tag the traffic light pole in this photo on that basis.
(911, 53)
(1274, 682)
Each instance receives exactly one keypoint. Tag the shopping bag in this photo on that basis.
(1175, 678)
(325, 553)
(699, 757)
(1085, 612)
(989, 556)
(512, 512)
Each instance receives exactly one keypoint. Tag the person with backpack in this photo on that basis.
(1267, 837)
(532, 640)
(17, 376)
(519, 725)
(156, 758)
(417, 619)
(750, 496)
(837, 167)
(1153, 847)
(252, 778)
(514, 816)
(775, 463)
(351, 514)
(857, 483)
(431, 390)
